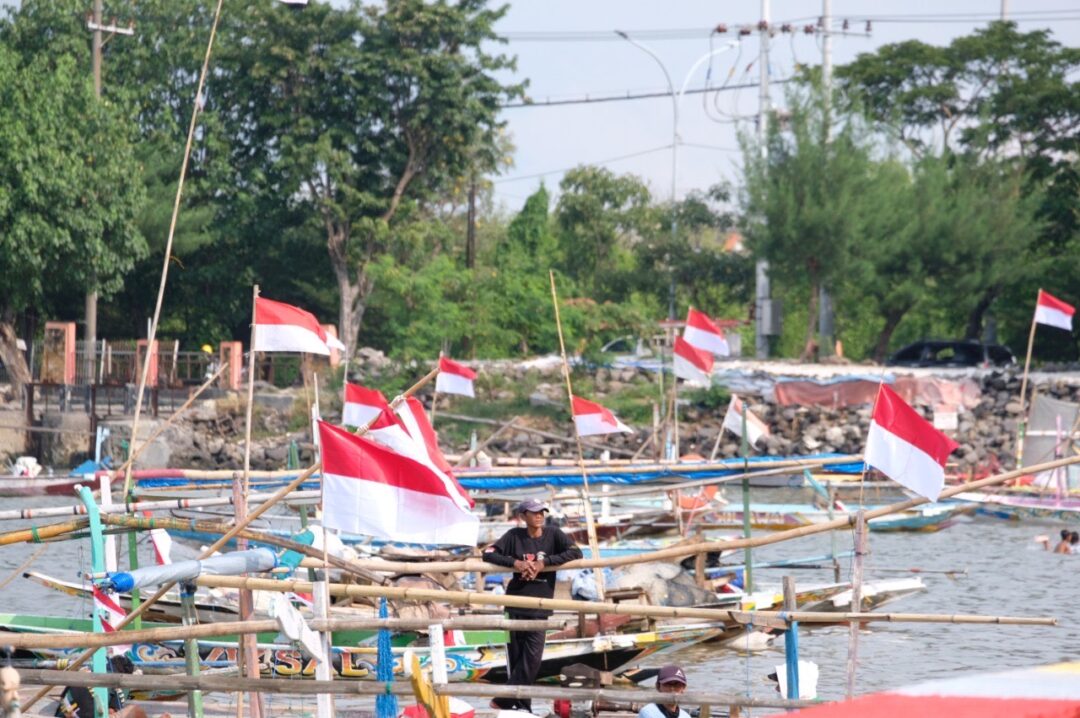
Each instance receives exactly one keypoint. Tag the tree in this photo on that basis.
(353, 114)
(69, 190)
(599, 215)
(805, 197)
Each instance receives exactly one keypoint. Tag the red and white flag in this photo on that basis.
(454, 378)
(591, 419)
(906, 447)
(284, 328)
(372, 489)
(111, 614)
(362, 405)
(1054, 312)
(756, 429)
(693, 365)
(415, 420)
(701, 332)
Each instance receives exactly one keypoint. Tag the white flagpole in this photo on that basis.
(248, 648)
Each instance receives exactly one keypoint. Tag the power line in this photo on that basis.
(610, 160)
(587, 100)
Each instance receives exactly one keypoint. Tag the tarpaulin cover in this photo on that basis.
(843, 392)
(1045, 692)
(516, 479)
(1048, 430)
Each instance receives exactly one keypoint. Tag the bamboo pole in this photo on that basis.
(145, 605)
(1022, 426)
(134, 507)
(856, 602)
(268, 625)
(538, 432)
(776, 619)
(464, 458)
(590, 524)
(674, 468)
(195, 110)
(229, 684)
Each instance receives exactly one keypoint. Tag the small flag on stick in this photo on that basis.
(1053, 312)
(592, 419)
(702, 333)
(454, 378)
(282, 327)
(693, 365)
(756, 429)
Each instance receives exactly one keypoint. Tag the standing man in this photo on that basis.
(528, 551)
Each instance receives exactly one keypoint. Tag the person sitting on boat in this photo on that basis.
(528, 551)
(671, 679)
(78, 701)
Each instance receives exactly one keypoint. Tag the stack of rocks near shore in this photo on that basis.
(211, 435)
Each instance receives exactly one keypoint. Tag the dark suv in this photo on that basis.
(952, 354)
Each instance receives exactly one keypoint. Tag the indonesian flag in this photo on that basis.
(415, 419)
(362, 405)
(1051, 310)
(162, 543)
(334, 343)
(692, 364)
(702, 333)
(906, 447)
(756, 429)
(111, 614)
(591, 419)
(454, 378)
(371, 489)
(284, 328)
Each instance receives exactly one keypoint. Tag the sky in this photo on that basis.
(568, 49)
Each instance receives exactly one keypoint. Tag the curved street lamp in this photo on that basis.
(676, 101)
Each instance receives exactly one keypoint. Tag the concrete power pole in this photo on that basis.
(761, 268)
(826, 330)
(91, 294)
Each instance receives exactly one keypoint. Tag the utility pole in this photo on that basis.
(1004, 10)
(470, 225)
(90, 307)
(826, 330)
(761, 268)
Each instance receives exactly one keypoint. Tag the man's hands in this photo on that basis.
(529, 570)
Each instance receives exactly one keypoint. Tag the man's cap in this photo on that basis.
(531, 505)
(671, 674)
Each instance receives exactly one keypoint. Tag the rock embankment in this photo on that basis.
(211, 435)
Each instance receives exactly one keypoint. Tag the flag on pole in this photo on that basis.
(693, 365)
(756, 429)
(591, 419)
(701, 332)
(371, 489)
(415, 419)
(454, 378)
(906, 447)
(1054, 312)
(282, 327)
(334, 343)
(362, 405)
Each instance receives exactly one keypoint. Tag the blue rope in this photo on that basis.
(386, 705)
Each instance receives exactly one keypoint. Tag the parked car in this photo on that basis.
(929, 353)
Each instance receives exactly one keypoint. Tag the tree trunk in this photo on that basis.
(975, 319)
(12, 357)
(809, 352)
(892, 321)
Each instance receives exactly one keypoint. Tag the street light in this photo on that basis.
(676, 100)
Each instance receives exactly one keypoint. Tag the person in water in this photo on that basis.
(1064, 546)
(672, 680)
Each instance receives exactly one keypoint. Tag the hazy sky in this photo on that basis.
(551, 139)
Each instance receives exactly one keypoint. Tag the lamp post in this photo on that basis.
(676, 100)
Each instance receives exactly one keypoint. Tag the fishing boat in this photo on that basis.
(1065, 508)
(781, 517)
(45, 485)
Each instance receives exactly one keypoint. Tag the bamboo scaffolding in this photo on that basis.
(713, 546)
(229, 684)
(137, 612)
(235, 628)
(772, 619)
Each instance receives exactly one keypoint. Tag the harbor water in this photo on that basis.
(1007, 574)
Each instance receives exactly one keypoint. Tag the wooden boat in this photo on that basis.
(42, 485)
(1065, 509)
(781, 517)
(166, 609)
